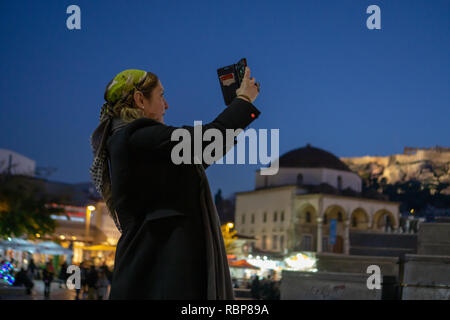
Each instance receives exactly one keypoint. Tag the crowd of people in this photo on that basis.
(95, 282)
(262, 289)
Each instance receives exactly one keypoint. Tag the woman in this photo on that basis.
(171, 245)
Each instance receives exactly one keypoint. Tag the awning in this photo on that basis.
(48, 247)
(18, 244)
(241, 264)
(100, 247)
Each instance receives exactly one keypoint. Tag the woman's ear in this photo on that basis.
(138, 99)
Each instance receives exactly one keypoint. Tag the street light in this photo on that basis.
(89, 209)
(230, 225)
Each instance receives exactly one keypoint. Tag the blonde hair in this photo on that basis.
(126, 108)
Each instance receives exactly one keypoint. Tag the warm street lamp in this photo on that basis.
(89, 209)
(230, 225)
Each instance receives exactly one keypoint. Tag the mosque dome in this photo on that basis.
(310, 157)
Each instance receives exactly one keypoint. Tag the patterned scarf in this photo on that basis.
(116, 90)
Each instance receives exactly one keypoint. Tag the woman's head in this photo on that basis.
(134, 94)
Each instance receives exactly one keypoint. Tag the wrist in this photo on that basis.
(244, 97)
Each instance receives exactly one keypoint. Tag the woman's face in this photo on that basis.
(155, 107)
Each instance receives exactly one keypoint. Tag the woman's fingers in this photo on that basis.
(247, 73)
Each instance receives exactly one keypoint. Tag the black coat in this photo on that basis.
(166, 250)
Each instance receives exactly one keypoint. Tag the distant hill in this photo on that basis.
(429, 166)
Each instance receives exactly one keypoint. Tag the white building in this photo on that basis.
(293, 210)
(15, 163)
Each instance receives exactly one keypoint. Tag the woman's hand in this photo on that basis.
(248, 87)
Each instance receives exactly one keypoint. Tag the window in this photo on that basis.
(325, 219)
(307, 243)
(340, 216)
(282, 242)
(275, 216)
(264, 238)
(282, 215)
(339, 182)
(265, 217)
(308, 217)
(253, 218)
(299, 179)
(274, 242)
(324, 244)
(243, 218)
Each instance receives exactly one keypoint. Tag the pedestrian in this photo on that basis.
(91, 281)
(82, 288)
(266, 288)
(255, 288)
(63, 276)
(47, 277)
(102, 285)
(171, 246)
(31, 269)
(22, 279)
(107, 272)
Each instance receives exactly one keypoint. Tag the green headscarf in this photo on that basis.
(117, 89)
(122, 84)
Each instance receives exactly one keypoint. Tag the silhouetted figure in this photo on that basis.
(91, 281)
(47, 277)
(22, 279)
(255, 288)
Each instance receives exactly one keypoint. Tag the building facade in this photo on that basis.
(312, 204)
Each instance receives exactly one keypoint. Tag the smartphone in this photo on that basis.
(230, 79)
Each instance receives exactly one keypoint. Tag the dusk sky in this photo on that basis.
(326, 79)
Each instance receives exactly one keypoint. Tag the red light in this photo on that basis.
(252, 115)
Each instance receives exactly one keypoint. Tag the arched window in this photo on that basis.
(299, 179)
(282, 215)
(265, 217)
(253, 218)
(275, 216)
(340, 216)
(264, 239)
(339, 182)
(354, 222)
(308, 217)
(243, 218)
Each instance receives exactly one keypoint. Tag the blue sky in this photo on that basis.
(326, 79)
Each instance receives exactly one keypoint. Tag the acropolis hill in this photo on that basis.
(430, 166)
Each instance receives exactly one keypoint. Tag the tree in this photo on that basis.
(24, 208)
(229, 239)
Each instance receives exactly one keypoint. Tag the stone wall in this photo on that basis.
(328, 262)
(326, 286)
(425, 277)
(434, 239)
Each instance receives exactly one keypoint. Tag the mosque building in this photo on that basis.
(312, 204)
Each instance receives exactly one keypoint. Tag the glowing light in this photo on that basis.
(37, 235)
(62, 237)
(301, 262)
(91, 208)
(230, 225)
